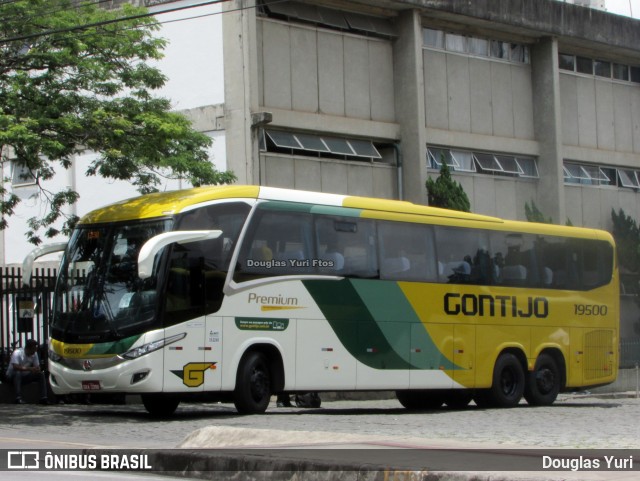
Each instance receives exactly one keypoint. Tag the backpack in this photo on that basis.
(308, 400)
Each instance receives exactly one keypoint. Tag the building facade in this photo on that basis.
(526, 101)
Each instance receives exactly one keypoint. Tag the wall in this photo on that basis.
(600, 114)
(306, 70)
(481, 96)
(310, 69)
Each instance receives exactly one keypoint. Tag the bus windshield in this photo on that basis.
(99, 296)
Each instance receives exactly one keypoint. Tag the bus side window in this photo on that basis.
(277, 243)
(351, 242)
(407, 252)
(464, 256)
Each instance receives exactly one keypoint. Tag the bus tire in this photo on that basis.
(508, 381)
(457, 398)
(420, 400)
(543, 383)
(253, 384)
(160, 405)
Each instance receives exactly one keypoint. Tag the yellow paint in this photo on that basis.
(193, 373)
(166, 203)
(280, 308)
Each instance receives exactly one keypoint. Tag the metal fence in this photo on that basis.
(24, 310)
(629, 353)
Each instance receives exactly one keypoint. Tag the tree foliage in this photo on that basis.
(627, 236)
(534, 214)
(447, 193)
(64, 90)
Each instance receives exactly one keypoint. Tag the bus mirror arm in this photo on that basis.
(27, 263)
(154, 245)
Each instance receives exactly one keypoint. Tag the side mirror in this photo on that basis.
(155, 244)
(27, 263)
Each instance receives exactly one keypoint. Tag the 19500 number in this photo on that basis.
(590, 309)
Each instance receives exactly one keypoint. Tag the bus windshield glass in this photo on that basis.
(99, 296)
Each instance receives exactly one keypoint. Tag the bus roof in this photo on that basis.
(169, 203)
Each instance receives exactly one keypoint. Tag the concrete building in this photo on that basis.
(526, 100)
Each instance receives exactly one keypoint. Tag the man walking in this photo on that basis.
(24, 368)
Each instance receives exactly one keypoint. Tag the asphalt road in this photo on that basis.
(575, 421)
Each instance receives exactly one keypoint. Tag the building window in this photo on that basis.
(602, 68)
(21, 175)
(456, 43)
(328, 17)
(567, 62)
(319, 145)
(589, 174)
(628, 178)
(482, 162)
(599, 68)
(481, 47)
(433, 38)
(584, 65)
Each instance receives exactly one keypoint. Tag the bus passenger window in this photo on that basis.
(277, 243)
(349, 243)
(464, 256)
(407, 252)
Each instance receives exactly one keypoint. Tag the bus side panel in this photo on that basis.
(184, 366)
(243, 333)
(212, 344)
(576, 359)
(491, 340)
(600, 363)
(549, 337)
(322, 361)
(384, 355)
(431, 355)
(464, 352)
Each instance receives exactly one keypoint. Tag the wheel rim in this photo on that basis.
(545, 380)
(509, 382)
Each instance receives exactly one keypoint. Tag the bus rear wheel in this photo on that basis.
(253, 384)
(543, 383)
(508, 384)
(160, 405)
(420, 400)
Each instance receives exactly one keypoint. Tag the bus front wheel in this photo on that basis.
(160, 405)
(253, 384)
(543, 383)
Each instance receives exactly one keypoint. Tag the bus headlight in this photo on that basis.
(54, 356)
(136, 352)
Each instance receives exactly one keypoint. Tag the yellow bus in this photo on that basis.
(237, 293)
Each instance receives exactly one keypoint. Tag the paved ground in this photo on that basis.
(573, 422)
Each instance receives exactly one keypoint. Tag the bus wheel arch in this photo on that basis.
(547, 378)
(508, 382)
(260, 373)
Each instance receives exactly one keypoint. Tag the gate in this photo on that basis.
(24, 310)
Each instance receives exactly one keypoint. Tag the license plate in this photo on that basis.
(91, 386)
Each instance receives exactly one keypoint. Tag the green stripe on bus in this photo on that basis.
(118, 347)
(389, 306)
(355, 326)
